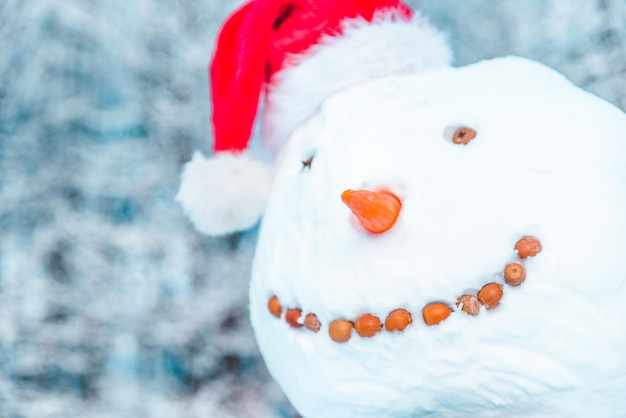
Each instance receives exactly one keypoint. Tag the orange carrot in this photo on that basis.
(377, 211)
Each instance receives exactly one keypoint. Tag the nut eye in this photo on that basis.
(306, 164)
(461, 135)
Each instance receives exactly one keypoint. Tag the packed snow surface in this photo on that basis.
(548, 161)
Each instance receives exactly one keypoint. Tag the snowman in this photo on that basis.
(435, 241)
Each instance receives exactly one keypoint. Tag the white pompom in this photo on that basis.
(224, 194)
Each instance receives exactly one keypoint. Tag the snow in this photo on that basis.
(547, 161)
(110, 304)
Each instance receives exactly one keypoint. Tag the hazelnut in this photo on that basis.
(312, 323)
(340, 330)
(398, 320)
(274, 306)
(292, 316)
(514, 274)
(367, 325)
(528, 247)
(463, 135)
(490, 295)
(436, 312)
(469, 304)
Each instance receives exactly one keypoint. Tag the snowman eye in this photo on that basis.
(306, 164)
(460, 135)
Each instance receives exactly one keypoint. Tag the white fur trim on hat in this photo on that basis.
(224, 194)
(366, 51)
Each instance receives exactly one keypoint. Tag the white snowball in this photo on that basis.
(548, 160)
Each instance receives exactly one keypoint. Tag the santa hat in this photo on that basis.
(297, 52)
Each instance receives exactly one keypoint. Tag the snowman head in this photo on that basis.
(386, 152)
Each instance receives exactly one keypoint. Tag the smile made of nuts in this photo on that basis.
(368, 325)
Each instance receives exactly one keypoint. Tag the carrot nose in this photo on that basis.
(377, 211)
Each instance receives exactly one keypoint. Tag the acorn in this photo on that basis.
(367, 325)
(463, 135)
(490, 295)
(274, 306)
(528, 247)
(514, 274)
(292, 316)
(340, 330)
(435, 312)
(398, 320)
(469, 304)
(312, 323)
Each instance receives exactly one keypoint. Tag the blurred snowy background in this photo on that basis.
(110, 304)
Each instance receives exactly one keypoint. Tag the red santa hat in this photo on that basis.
(296, 52)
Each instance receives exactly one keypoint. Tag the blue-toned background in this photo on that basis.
(110, 304)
